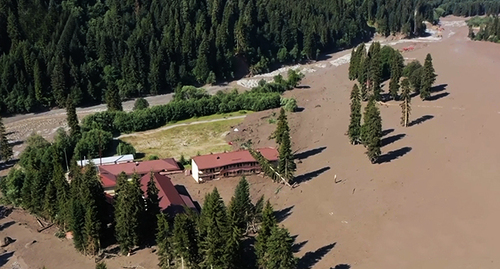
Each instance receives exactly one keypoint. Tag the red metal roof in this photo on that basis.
(167, 192)
(141, 168)
(229, 158)
(108, 180)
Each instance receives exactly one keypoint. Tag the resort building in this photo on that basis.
(228, 164)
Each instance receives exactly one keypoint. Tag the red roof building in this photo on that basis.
(171, 201)
(241, 162)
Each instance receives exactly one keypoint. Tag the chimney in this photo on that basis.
(218, 157)
(136, 163)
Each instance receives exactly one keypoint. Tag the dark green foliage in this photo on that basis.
(5, 148)
(286, 164)
(428, 78)
(152, 206)
(50, 203)
(62, 193)
(12, 186)
(281, 127)
(353, 65)
(240, 208)
(185, 240)
(140, 104)
(214, 231)
(416, 79)
(72, 119)
(129, 209)
(371, 131)
(405, 105)
(113, 99)
(375, 70)
(91, 143)
(471, 34)
(77, 224)
(125, 148)
(163, 241)
(354, 130)
(91, 229)
(266, 227)
(489, 28)
(187, 105)
(397, 65)
(279, 250)
(92, 50)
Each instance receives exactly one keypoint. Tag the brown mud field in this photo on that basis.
(431, 202)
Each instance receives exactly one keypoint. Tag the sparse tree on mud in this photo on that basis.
(354, 131)
(406, 102)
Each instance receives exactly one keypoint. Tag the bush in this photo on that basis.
(91, 142)
(153, 157)
(289, 104)
(125, 148)
(140, 104)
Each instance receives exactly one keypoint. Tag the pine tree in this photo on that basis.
(405, 105)
(121, 183)
(5, 148)
(286, 164)
(214, 231)
(163, 240)
(50, 203)
(354, 131)
(371, 131)
(375, 70)
(72, 119)
(281, 127)
(363, 77)
(62, 193)
(268, 223)
(240, 207)
(129, 209)
(91, 230)
(279, 250)
(396, 72)
(77, 224)
(184, 241)
(353, 65)
(152, 205)
(113, 99)
(429, 77)
(27, 202)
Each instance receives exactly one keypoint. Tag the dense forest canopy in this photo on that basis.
(52, 49)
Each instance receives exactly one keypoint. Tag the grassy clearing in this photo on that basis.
(187, 140)
(213, 117)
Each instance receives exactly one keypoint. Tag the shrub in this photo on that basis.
(140, 104)
(153, 157)
(125, 148)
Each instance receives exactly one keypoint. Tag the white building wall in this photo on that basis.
(195, 171)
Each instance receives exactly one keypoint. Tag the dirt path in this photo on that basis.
(180, 124)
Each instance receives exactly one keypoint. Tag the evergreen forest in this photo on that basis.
(489, 28)
(91, 49)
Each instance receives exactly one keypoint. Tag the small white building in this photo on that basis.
(108, 160)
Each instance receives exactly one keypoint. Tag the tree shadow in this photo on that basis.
(282, 214)
(421, 120)
(341, 266)
(248, 254)
(391, 139)
(312, 257)
(439, 88)
(303, 87)
(8, 164)
(438, 96)
(5, 257)
(297, 246)
(309, 153)
(414, 94)
(16, 143)
(392, 155)
(308, 176)
(387, 131)
(299, 109)
(6, 225)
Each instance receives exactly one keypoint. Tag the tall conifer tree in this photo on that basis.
(163, 240)
(268, 223)
(281, 127)
(406, 102)
(396, 73)
(372, 131)
(279, 250)
(354, 131)
(429, 77)
(152, 205)
(286, 164)
(184, 241)
(5, 148)
(72, 119)
(240, 208)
